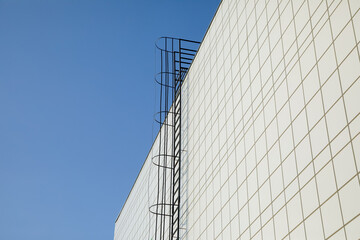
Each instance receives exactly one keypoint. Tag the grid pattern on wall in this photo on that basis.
(271, 123)
(137, 219)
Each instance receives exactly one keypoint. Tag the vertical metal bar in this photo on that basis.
(179, 158)
(173, 71)
(160, 121)
(165, 126)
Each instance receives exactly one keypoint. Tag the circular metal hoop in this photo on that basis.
(157, 118)
(159, 156)
(159, 81)
(154, 209)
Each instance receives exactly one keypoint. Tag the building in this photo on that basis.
(270, 130)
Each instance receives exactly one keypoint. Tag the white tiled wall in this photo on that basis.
(271, 118)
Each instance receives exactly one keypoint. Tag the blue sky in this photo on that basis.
(76, 108)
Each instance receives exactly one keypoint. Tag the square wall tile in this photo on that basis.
(286, 143)
(336, 119)
(326, 182)
(331, 91)
(296, 102)
(289, 169)
(327, 65)
(294, 211)
(315, 110)
(303, 154)
(344, 165)
(352, 98)
(311, 84)
(283, 118)
(300, 127)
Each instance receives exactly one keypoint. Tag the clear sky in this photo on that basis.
(76, 108)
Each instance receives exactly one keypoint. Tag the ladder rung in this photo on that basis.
(188, 49)
(177, 128)
(182, 62)
(176, 181)
(176, 173)
(176, 194)
(177, 119)
(176, 220)
(175, 208)
(190, 59)
(189, 54)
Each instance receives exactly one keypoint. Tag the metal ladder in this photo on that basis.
(182, 64)
(176, 166)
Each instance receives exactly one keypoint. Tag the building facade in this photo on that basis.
(270, 128)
